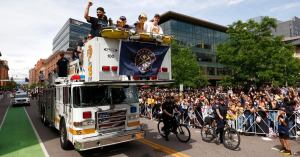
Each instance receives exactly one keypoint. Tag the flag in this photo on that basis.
(141, 59)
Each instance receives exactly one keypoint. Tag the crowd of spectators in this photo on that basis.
(253, 111)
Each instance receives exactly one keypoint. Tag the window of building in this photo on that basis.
(210, 70)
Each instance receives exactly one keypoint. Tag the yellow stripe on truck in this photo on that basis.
(57, 119)
(81, 132)
(132, 124)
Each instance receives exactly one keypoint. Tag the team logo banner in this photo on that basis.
(141, 59)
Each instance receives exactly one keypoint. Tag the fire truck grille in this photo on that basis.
(112, 120)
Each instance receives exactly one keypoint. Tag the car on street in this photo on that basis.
(20, 98)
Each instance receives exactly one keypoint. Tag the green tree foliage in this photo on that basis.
(185, 68)
(254, 55)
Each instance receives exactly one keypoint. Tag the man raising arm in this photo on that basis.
(98, 23)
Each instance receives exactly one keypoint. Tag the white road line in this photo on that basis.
(37, 135)
(4, 117)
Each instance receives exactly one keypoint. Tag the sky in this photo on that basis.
(28, 27)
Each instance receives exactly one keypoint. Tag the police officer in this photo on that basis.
(221, 111)
(168, 108)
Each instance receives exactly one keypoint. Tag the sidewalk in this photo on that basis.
(17, 136)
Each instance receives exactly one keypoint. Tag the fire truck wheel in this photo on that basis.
(44, 119)
(64, 142)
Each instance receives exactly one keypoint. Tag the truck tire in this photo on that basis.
(44, 118)
(64, 142)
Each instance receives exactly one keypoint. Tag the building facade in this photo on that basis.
(32, 77)
(69, 35)
(295, 41)
(3, 73)
(289, 28)
(202, 36)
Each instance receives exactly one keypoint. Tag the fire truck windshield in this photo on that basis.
(126, 94)
(86, 96)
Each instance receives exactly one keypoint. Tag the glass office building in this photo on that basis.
(203, 38)
(69, 35)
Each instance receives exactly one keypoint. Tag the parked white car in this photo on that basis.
(20, 99)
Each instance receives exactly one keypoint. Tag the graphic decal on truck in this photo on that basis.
(90, 63)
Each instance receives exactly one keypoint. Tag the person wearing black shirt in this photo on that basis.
(283, 130)
(167, 107)
(96, 23)
(62, 66)
(221, 111)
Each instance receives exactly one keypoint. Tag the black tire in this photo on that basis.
(64, 142)
(160, 126)
(231, 139)
(183, 133)
(207, 133)
(44, 118)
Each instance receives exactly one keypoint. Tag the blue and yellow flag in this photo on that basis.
(141, 59)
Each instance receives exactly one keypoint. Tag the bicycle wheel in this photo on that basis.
(183, 133)
(207, 133)
(231, 139)
(160, 126)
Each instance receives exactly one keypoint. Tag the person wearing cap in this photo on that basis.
(221, 111)
(283, 131)
(139, 25)
(153, 27)
(168, 107)
(96, 23)
(121, 23)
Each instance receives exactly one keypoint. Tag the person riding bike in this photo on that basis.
(220, 116)
(168, 119)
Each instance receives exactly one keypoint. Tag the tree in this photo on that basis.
(185, 68)
(254, 55)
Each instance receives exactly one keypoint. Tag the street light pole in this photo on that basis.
(285, 75)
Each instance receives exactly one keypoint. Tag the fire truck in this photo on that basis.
(96, 106)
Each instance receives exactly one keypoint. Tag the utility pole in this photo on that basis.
(285, 75)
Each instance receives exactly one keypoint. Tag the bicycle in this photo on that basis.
(181, 131)
(231, 138)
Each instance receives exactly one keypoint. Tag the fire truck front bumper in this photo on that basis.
(106, 140)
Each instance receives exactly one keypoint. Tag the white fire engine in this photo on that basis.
(96, 107)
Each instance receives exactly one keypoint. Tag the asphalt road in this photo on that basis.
(155, 146)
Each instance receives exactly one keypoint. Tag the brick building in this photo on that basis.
(3, 72)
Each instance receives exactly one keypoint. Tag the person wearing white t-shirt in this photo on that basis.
(153, 27)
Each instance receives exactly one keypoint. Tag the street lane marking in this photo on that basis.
(37, 135)
(4, 117)
(162, 148)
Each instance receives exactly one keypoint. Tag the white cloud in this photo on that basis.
(234, 2)
(285, 7)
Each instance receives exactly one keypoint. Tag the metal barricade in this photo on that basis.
(294, 124)
(258, 123)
